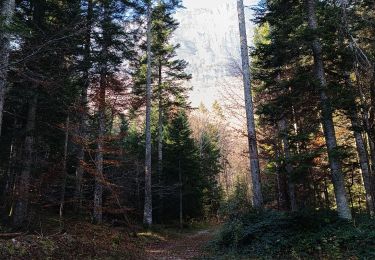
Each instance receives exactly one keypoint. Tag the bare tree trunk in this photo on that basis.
(7, 11)
(371, 130)
(21, 207)
(371, 125)
(282, 197)
(364, 163)
(288, 167)
(326, 194)
(99, 176)
(180, 191)
(327, 119)
(64, 170)
(371, 147)
(83, 108)
(278, 188)
(361, 147)
(147, 214)
(138, 186)
(350, 186)
(160, 141)
(7, 197)
(79, 175)
(251, 132)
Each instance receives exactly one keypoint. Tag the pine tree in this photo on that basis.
(181, 168)
(327, 120)
(170, 73)
(82, 135)
(107, 57)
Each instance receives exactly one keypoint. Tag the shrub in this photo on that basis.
(305, 235)
(237, 204)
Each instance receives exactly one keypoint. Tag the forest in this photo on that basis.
(104, 156)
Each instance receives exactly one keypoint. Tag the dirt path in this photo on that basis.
(185, 246)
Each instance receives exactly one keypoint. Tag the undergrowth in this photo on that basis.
(303, 235)
(79, 240)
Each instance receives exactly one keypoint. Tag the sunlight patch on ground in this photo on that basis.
(151, 235)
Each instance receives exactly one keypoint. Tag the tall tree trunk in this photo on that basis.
(288, 167)
(356, 125)
(350, 186)
(21, 207)
(371, 124)
(282, 192)
(364, 162)
(251, 132)
(7, 11)
(372, 110)
(160, 141)
(326, 194)
(180, 192)
(138, 185)
(64, 170)
(99, 176)
(83, 107)
(327, 118)
(7, 198)
(80, 170)
(147, 214)
(371, 147)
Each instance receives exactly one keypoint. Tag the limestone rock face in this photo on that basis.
(209, 42)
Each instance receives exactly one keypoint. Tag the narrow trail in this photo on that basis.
(185, 246)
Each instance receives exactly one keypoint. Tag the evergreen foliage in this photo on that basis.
(305, 234)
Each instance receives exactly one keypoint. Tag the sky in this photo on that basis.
(208, 35)
(211, 3)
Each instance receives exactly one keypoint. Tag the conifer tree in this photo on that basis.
(110, 48)
(170, 72)
(182, 166)
(82, 135)
(327, 120)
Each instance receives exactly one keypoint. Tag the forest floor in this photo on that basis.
(185, 245)
(83, 240)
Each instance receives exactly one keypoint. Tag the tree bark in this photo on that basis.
(282, 192)
(147, 214)
(137, 184)
(7, 11)
(326, 194)
(21, 207)
(160, 141)
(83, 107)
(257, 199)
(327, 118)
(64, 170)
(364, 163)
(99, 176)
(180, 193)
(371, 124)
(7, 193)
(288, 167)
(356, 125)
